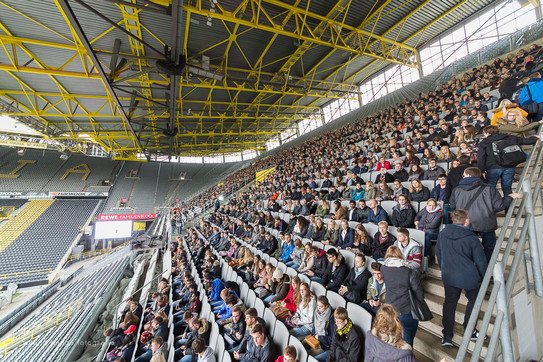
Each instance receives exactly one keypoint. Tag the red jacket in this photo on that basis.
(385, 165)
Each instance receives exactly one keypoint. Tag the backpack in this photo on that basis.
(508, 153)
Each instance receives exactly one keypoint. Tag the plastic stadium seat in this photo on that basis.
(225, 357)
(251, 297)
(304, 278)
(259, 306)
(300, 349)
(213, 335)
(292, 272)
(317, 288)
(206, 311)
(281, 336)
(335, 299)
(359, 316)
(348, 256)
(270, 320)
(244, 290)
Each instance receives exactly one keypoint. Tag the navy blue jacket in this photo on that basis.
(349, 239)
(461, 257)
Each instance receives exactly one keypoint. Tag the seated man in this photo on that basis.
(260, 349)
(346, 342)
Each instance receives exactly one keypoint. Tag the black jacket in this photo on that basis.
(482, 211)
(398, 281)
(356, 215)
(238, 327)
(379, 250)
(401, 175)
(421, 195)
(320, 265)
(403, 218)
(357, 287)
(461, 257)
(346, 348)
(485, 156)
(386, 177)
(454, 177)
(333, 278)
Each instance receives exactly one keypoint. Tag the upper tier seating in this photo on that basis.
(50, 236)
(86, 290)
(39, 170)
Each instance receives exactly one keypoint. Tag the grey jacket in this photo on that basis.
(482, 212)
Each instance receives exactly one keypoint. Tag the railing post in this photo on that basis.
(532, 239)
(501, 305)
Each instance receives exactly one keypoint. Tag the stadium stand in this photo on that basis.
(39, 338)
(51, 230)
(38, 170)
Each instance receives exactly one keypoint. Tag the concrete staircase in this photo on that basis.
(428, 338)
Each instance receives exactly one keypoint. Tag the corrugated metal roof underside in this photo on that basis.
(43, 21)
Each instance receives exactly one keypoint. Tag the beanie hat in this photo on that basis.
(277, 274)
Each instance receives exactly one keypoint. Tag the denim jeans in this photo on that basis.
(428, 237)
(410, 326)
(292, 265)
(300, 332)
(145, 357)
(268, 299)
(323, 356)
(505, 174)
(315, 279)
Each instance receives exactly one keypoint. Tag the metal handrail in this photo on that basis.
(502, 288)
(9, 344)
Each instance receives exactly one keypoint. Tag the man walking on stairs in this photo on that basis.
(463, 265)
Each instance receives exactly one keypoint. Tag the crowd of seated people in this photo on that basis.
(307, 316)
(148, 343)
(331, 189)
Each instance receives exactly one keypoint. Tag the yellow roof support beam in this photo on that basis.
(332, 37)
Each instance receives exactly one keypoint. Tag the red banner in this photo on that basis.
(117, 217)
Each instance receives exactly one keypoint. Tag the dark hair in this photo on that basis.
(251, 312)
(376, 266)
(331, 252)
(403, 230)
(198, 345)
(257, 328)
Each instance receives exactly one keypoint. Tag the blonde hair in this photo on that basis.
(387, 326)
(393, 252)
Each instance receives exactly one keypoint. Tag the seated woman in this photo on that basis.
(403, 213)
(362, 240)
(324, 326)
(384, 192)
(302, 320)
(398, 190)
(280, 287)
(371, 191)
(418, 192)
(319, 230)
(323, 210)
(346, 235)
(336, 271)
(445, 154)
(355, 286)
(332, 234)
(385, 337)
(415, 173)
(309, 259)
(429, 220)
(297, 255)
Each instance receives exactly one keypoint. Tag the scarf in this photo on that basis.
(358, 272)
(438, 208)
(343, 331)
(320, 320)
(395, 262)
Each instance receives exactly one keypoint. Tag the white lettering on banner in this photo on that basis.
(117, 217)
